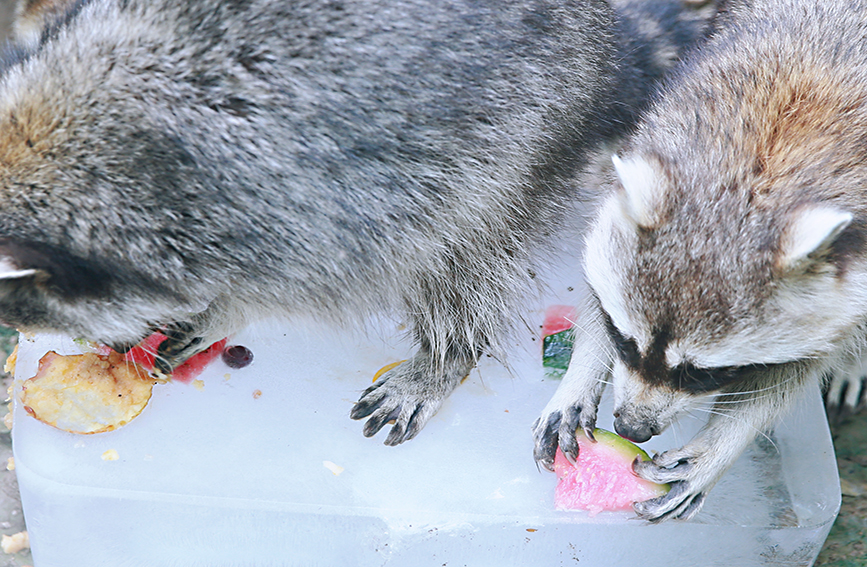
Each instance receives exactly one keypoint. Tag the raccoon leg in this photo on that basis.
(736, 420)
(692, 470)
(456, 312)
(410, 394)
(845, 389)
(575, 402)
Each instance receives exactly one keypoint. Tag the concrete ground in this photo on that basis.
(847, 543)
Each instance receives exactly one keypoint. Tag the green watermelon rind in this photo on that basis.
(625, 447)
(557, 352)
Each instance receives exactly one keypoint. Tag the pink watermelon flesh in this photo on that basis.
(602, 477)
(145, 352)
(558, 318)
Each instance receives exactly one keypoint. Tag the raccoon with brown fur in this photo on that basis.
(728, 261)
(191, 166)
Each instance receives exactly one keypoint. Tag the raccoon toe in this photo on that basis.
(405, 397)
(655, 472)
(407, 422)
(679, 468)
(680, 503)
(844, 396)
(182, 342)
(558, 430)
(369, 402)
(546, 440)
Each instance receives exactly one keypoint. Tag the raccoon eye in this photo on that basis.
(627, 349)
(690, 378)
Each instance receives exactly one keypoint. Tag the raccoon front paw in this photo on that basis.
(556, 427)
(845, 394)
(690, 479)
(182, 341)
(408, 395)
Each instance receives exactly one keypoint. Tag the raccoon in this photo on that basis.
(728, 260)
(191, 166)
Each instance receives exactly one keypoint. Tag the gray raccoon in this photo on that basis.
(192, 166)
(728, 257)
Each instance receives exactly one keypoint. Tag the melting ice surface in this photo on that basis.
(262, 466)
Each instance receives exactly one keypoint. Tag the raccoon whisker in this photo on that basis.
(591, 367)
(746, 399)
(139, 371)
(676, 428)
(733, 418)
(603, 347)
(770, 389)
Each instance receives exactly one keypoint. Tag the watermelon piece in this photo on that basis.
(145, 352)
(558, 338)
(602, 477)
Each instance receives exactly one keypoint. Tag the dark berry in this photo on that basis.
(237, 356)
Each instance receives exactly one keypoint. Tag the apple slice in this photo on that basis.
(86, 393)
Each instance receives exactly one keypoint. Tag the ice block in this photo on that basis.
(262, 466)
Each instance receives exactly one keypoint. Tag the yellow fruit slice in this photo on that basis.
(86, 393)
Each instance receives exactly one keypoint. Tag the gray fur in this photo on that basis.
(196, 165)
(730, 254)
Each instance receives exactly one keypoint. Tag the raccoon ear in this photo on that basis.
(810, 232)
(14, 262)
(639, 199)
(9, 271)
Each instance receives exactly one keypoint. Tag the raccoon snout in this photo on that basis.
(635, 432)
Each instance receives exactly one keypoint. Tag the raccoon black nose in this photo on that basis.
(636, 434)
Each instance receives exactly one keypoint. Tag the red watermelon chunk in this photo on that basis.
(558, 318)
(145, 353)
(602, 477)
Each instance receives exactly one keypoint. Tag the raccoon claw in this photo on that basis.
(181, 343)
(559, 430)
(844, 396)
(407, 423)
(404, 398)
(660, 474)
(682, 501)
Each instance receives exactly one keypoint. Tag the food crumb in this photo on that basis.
(7, 420)
(531, 530)
(10, 464)
(15, 542)
(9, 367)
(335, 469)
(198, 385)
(110, 455)
(257, 394)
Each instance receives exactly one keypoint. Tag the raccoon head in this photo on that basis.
(98, 210)
(46, 288)
(706, 289)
